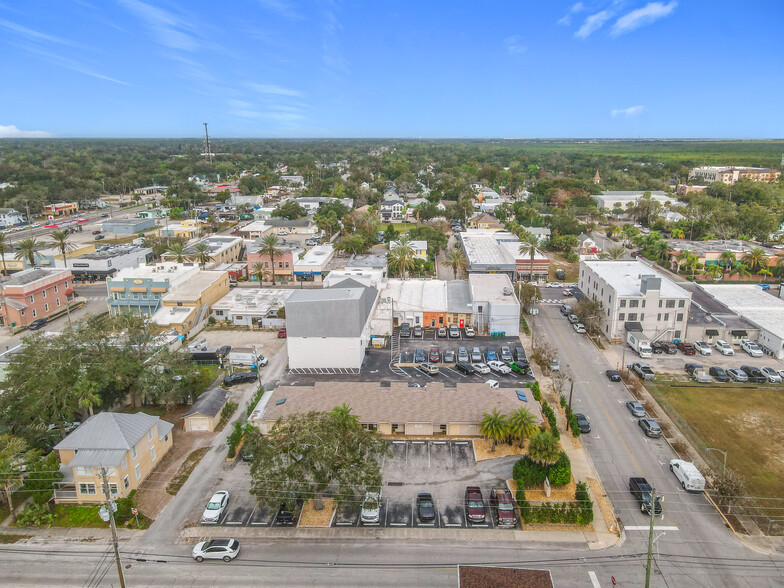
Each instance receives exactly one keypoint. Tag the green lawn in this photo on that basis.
(72, 515)
(745, 421)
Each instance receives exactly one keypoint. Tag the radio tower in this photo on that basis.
(207, 144)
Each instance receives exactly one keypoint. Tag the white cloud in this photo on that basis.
(31, 34)
(566, 20)
(513, 46)
(74, 65)
(11, 132)
(627, 112)
(593, 23)
(281, 8)
(273, 89)
(646, 15)
(166, 26)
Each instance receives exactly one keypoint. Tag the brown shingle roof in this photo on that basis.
(372, 403)
(489, 577)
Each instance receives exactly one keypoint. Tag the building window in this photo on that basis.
(152, 452)
(658, 317)
(280, 265)
(22, 312)
(58, 302)
(621, 316)
(643, 303)
(642, 317)
(666, 316)
(46, 308)
(681, 303)
(149, 435)
(632, 316)
(138, 471)
(35, 313)
(634, 303)
(55, 288)
(287, 265)
(218, 313)
(43, 292)
(660, 303)
(623, 304)
(32, 298)
(670, 304)
(126, 482)
(677, 334)
(133, 452)
(440, 320)
(83, 471)
(394, 428)
(86, 488)
(166, 438)
(124, 463)
(679, 317)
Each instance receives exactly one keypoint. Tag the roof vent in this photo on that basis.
(507, 291)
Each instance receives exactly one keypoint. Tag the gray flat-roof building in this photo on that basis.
(495, 306)
(106, 261)
(127, 226)
(611, 199)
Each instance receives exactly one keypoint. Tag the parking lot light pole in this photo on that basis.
(724, 467)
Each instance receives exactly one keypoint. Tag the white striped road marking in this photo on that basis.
(594, 580)
(648, 528)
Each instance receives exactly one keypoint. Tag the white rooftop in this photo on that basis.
(490, 288)
(752, 303)
(190, 290)
(252, 300)
(625, 278)
(484, 249)
(169, 271)
(315, 257)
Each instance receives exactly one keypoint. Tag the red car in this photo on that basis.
(474, 505)
(686, 348)
(501, 501)
(434, 356)
(282, 333)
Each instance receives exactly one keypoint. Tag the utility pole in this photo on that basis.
(571, 389)
(650, 539)
(207, 144)
(109, 506)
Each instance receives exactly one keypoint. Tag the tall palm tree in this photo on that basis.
(662, 249)
(680, 259)
(522, 424)
(756, 259)
(260, 272)
(27, 248)
(343, 416)
(494, 427)
(201, 254)
(615, 252)
(456, 260)
(177, 250)
(544, 448)
(741, 270)
(269, 246)
(60, 242)
(691, 264)
(4, 248)
(528, 246)
(677, 234)
(403, 256)
(727, 260)
(713, 272)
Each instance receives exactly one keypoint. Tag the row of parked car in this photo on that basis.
(407, 331)
(566, 310)
(476, 362)
(703, 348)
(745, 373)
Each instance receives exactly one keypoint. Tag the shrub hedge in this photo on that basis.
(579, 512)
(527, 472)
(536, 392)
(549, 414)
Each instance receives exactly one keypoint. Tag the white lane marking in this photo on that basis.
(648, 528)
(594, 580)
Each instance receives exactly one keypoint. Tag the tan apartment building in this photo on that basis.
(731, 174)
(190, 302)
(127, 446)
(33, 294)
(396, 409)
(222, 249)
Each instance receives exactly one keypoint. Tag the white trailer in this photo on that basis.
(640, 344)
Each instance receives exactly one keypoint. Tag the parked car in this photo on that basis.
(466, 368)
(555, 366)
(579, 328)
(754, 374)
(225, 549)
(449, 356)
(469, 332)
(506, 354)
(702, 376)
(635, 408)
(481, 368)
(689, 476)
(723, 347)
(104, 215)
(96, 232)
(772, 375)
(454, 332)
(686, 348)
(751, 348)
(556, 285)
(282, 333)
(100, 237)
(737, 375)
(490, 354)
(644, 371)
(567, 292)
(502, 504)
(419, 355)
(521, 367)
(565, 309)
(493, 383)
(582, 422)
(429, 368)
(650, 426)
(718, 374)
(613, 375)
(416, 331)
(669, 347)
(442, 331)
(37, 324)
(519, 354)
(426, 509)
(499, 367)
(476, 355)
(643, 492)
(215, 507)
(573, 319)
(474, 505)
(434, 355)
(702, 347)
(462, 355)
(371, 507)
(405, 330)
(240, 378)
(690, 367)
(657, 347)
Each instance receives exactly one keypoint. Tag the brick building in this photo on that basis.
(33, 294)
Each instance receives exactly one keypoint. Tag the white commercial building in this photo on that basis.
(252, 306)
(494, 304)
(106, 261)
(633, 292)
(623, 198)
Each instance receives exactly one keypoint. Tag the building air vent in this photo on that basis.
(507, 291)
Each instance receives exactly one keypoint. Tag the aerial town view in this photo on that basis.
(364, 293)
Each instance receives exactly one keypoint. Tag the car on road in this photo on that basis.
(405, 330)
(751, 348)
(104, 215)
(469, 332)
(434, 355)
(772, 375)
(635, 408)
(642, 491)
(100, 237)
(521, 367)
(466, 368)
(225, 549)
(567, 292)
(691, 367)
(565, 309)
(474, 505)
(499, 367)
(282, 334)
(462, 355)
(519, 354)
(650, 426)
(555, 366)
(490, 354)
(737, 375)
(582, 422)
(371, 507)
(37, 324)
(215, 507)
(723, 347)
(481, 368)
(419, 355)
(449, 356)
(476, 355)
(613, 375)
(416, 331)
(442, 331)
(454, 332)
(240, 378)
(579, 328)
(96, 232)
(688, 475)
(556, 285)
(718, 374)
(503, 507)
(573, 318)
(754, 374)
(686, 348)
(702, 348)
(506, 354)
(429, 368)
(426, 509)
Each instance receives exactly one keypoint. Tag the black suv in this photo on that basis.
(519, 354)
(692, 367)
(37, 324)
(755, 375)
(466, 368)
(405, 330)
(583, 423)
(240, 378)
(719, 374)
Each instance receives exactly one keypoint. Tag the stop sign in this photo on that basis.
(134, 511)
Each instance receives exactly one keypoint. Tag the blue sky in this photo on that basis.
(391, 68)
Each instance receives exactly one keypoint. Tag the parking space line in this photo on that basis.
(594, 580)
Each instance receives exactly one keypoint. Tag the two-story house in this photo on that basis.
(391, 210)
(10, 217)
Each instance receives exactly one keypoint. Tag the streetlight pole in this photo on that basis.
(724, 467)
(110, 513)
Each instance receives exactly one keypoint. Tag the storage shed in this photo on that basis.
(204, 415)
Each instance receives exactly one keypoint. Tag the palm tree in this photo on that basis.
(756, 259)
(60, 242)
(522, 424)
(177, 250)
(662, 249)
(27, 248)
(681, 259)
(494, 427)
(269, 246)
(727, 260)
(528, 246)
(344, 418)
(691, 264)
(403, 256)
(677, 234)
(260, 272)
(741, 270)
(544, 448)
(201, 254)
(615, 252)
(4, 248)
(713, 272)
(456, 259)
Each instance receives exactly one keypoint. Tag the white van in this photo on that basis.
(690, 477)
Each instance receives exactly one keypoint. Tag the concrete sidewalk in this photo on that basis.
(90, 534)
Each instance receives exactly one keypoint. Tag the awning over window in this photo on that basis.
(69, 291)
(739, 333)
(633, 327)
(711, 332)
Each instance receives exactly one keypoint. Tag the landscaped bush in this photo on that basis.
(536, 392)
(527, 472)
(34, 515)
(234, 438)
(573, 426)
(549, 414)
(562, 400)
(579, 512)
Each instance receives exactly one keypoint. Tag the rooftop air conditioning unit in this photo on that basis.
(507, 291)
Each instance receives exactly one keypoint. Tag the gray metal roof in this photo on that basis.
(209, 403)
(339, 311)
(33, 274)
(113, 430)
(97, 457)
(458, 296)
(282, 222)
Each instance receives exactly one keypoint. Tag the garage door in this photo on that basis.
(199, 424)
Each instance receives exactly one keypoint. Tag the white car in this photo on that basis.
(703, 348)
(556, 285)
(579, 327)
(261, 360)
(371, 507)
(469, 332)
(493, 383)
(751, 348)
(225, 549)
(481, 368)
(771, 374)
(723, 347)
(215, 507)
(500, 367)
